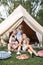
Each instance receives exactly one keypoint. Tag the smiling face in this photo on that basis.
(15, 31)
(24, 36)
(13, 39)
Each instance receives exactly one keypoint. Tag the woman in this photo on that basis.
(13, 43)
(28, 47)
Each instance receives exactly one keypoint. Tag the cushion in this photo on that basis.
(40, 53)
(4, 55)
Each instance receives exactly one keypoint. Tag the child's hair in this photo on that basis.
(10, 33)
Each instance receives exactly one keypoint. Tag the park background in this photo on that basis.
(34, 7)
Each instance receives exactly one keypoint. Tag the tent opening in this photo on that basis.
(31, 34)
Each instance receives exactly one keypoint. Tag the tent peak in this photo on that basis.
(20, 6)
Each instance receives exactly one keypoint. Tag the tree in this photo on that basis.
(40, 14)
(34, 7)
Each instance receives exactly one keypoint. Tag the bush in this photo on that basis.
(6, 39)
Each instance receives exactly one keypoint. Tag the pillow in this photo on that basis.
(4, 55)
(40, 53)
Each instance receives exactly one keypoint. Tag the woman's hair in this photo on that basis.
(10, 33)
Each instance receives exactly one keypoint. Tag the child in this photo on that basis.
(28, 47)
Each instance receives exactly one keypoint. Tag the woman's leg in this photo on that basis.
(15, 47)
(9, 47)
(32, 50)
(18, 47)
(29, 51)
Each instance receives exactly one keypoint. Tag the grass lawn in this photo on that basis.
(13, 61)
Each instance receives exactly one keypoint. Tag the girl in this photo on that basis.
(28, 47)
(13, 43)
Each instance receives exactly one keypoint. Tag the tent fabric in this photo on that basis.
(29, 32)
(19, 13)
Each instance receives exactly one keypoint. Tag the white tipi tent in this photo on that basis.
(16, 18)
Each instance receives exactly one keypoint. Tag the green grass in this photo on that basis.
(13, 61)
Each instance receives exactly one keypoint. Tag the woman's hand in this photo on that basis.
(20, 44)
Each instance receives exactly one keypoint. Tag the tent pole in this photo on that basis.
(0, 41)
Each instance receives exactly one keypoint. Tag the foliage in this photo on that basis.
(6, 39)
(30, 5)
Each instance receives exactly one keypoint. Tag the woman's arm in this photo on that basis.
(27, 41)
(11, 41)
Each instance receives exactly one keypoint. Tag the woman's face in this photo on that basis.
(24, 36)
(14, 32)
(13, 40)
